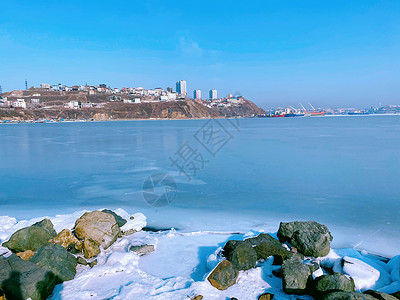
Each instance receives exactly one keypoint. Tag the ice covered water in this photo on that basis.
(340, 171)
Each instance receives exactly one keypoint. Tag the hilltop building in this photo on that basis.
(213, 94)
(181, 87)
(197, 94)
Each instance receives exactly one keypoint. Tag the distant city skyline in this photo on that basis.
(330, 53)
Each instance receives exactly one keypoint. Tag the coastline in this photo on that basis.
(120, 266)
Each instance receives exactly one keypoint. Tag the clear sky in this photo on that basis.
(274, 52)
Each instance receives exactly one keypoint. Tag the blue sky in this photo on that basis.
(330, 53)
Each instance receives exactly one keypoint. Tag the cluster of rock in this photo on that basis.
(42, 258)
(299, 244)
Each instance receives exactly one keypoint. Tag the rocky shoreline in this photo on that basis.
(35, 259)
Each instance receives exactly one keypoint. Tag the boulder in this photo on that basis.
(21, 279)
(98, 226)
(380, 295)
(66, 238)
(80, 260)
(93, 263)
(32, 237)
(310, 238)
(265, 246)
(295, 276)
(334, 283)
(241, 254)
(26, 254)
(142, 249)
(397, 295)
(120, 221)
(90, 248)
(347, 296)
(223, 276)
(198, 297)
(58, 260)
(266, 296)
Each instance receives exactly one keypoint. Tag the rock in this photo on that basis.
(93, 263)
(266, 296)
(31, 238)
(277, 273)
(241, 254)
(199, 297)
(266, 246)
(310, 238)
(66, 238)
(90, 248)
(142, 249)
(80, 260)
(223, 276)
(363, 274)
(120, 221)
(26, 254)
(334, 283)
(347, 296)
(295, 276)
(21, 279)
(380, 295)
(233, 298)
(129, 232)
(57, 259)
(397, 295)
(98, 226)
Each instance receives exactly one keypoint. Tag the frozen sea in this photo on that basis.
(240, 174)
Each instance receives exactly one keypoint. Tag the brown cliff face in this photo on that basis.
(125, 111)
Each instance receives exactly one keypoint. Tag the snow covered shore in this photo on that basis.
(182, 261)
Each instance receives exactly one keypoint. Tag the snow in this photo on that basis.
(363, 274)
(394, 265)
(182, 260)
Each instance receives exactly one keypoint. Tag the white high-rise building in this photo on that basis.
(213, 94)
(181, 87)
(197, 94)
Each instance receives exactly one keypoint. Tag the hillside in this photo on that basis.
(151, 110)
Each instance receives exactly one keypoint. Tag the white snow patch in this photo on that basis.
(363, 274)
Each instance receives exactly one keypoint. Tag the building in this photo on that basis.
(197, 94)
(181, 87)
(45, 86)
(20, 103)
(213, 94)
(74, 104)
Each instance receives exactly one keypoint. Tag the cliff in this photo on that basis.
(151, 110)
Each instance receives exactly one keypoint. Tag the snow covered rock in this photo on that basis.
(241, 254)
(99, 227)
(347, 296)
(295, 276)
(380, 295)
(142, 249)
(31, 238)
(334, 283)
(134, 223)
(21, 279)
(310, 238)
(58, 260)
(223, 276)
(265, 245)
(363, 274)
